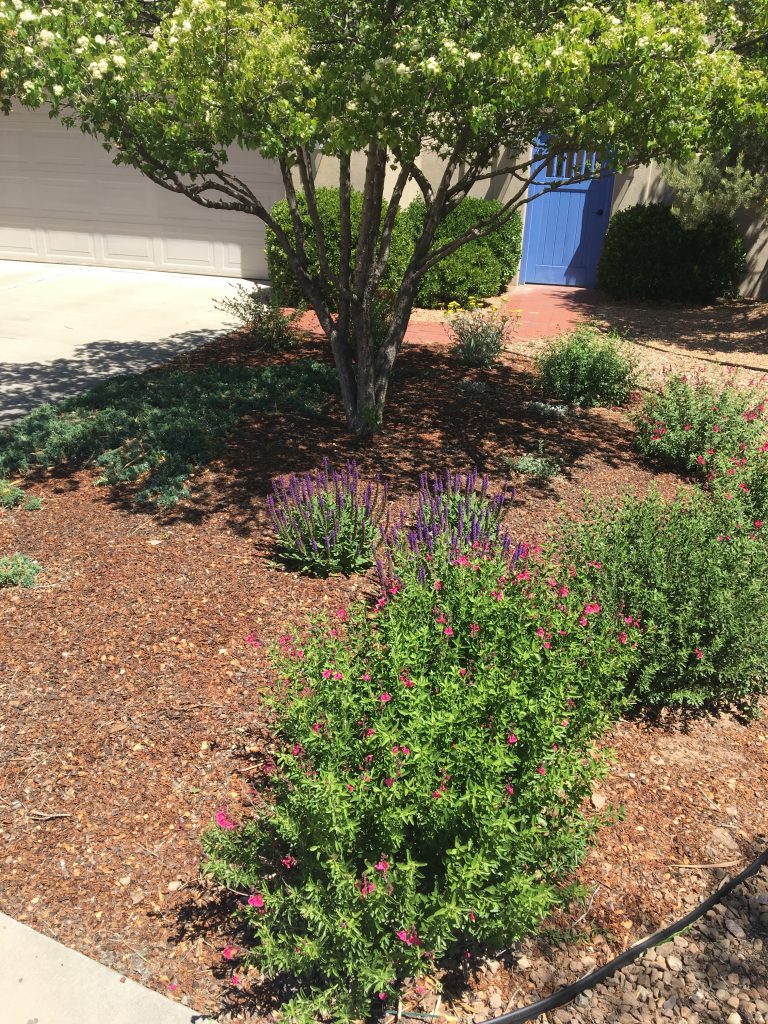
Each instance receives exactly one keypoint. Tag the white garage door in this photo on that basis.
(62, 200)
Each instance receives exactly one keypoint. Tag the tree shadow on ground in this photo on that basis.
(431, 423)
(23, 386)
(735, 328)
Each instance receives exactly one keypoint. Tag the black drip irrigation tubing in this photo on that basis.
(569, 993)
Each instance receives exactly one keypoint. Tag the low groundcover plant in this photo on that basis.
(588, 368)
(428, 788)
(18, 570)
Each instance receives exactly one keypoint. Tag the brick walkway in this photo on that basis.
(544, 310)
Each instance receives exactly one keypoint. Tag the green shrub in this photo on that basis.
(642, 252)
(648, 254)
(285, 287)
(328, 521)
(718, 260)
(481, 268)
(587, 368)
(743, 480)
(433, 764)
(479, 336)
(155, 429)
(694, 576)
(261, 317)
(688, 420)
(18, 570)
(10, 494)
(33, 504)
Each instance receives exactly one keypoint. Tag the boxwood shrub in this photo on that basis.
(648, 255)
(482, 268)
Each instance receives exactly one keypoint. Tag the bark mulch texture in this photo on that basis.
(129, 713)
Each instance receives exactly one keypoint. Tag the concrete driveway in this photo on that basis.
(63, 328)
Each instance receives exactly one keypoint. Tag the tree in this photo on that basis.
(169, 86)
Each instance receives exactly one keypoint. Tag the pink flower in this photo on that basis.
(229, 952)
(389, 783)
(366, 676)
(687, 426)
(436, 794)
(289, 861)
(409, 938)
(547, 645)
(385, 698)
(342, 614)
(448, 631)
(405, 751)
(623, 638)
(555, 747)
(224, 822)
(511, 739)
(402, 935)
(758, 524)
(382, 996)
(326, 673)
(382, 866)
(370, 732)
(592, 609)
(582, 621)
(350, 788)
(541, 770)
(540, 631)
(438, 585)
(474, 629)
(699, 653)
(395, 749)
(257, 900)
(701, 460)
(317, 726)
(367, 888)
(297, 750)
(234, 980)
(510, 789)
(172, 987)
(252, 641)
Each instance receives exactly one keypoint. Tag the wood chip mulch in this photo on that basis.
(129, 699)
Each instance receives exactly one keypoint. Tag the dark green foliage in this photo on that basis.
(588, 368)
(433, 763)
(693, 572)
(157, 428)
(18, 570)
(285, 288)
(648, 254)
(718, 260)
(480, 269)
(689, 423)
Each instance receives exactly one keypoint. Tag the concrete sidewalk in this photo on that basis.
(65, 328)
(43, 982)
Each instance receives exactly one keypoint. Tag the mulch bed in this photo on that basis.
(129, 703)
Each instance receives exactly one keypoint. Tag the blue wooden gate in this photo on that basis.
(564, 228)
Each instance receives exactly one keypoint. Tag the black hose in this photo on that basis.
(569, 993)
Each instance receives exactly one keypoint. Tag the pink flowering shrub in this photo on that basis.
(689, 421)
(692, 572)
(742, 480)
(434, 764)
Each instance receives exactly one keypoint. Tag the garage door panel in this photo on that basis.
(62, 200)
(17, 242)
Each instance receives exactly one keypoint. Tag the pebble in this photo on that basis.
(733, 1018)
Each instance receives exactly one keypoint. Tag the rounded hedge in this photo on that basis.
(649, 255)
(481, 268)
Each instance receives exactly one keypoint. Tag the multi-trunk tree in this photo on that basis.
(169, 87)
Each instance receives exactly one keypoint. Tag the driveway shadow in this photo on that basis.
(23, 386)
